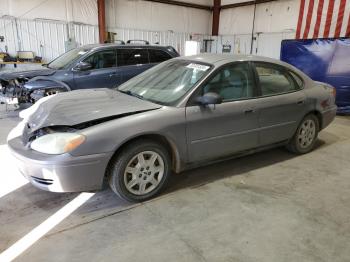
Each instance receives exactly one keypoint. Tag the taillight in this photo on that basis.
(334, 92)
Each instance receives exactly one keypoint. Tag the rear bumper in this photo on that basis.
(60, 173)
(328, 116)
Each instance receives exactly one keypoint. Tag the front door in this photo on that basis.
(103, 72)
(216, 131)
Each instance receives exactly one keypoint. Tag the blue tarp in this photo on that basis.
(325, 60)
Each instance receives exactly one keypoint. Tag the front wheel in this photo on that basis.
(305, 137)
(140, 171)
(53, 91)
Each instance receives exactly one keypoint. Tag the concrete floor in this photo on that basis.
(271, 206)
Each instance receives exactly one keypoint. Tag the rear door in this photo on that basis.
(103, 72)
(282, 103)
(131, 62)
(216, 131)
(157, 56)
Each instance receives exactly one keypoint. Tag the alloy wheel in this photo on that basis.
(144, 172)
(306, 133)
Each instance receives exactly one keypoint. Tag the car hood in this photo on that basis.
(82, 106)
(27, 74)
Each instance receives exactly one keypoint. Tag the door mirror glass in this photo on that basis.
(210, 98)
(83, 66)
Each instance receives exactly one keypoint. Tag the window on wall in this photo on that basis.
(233, 82)
(274, 79)
(158, 56)
(126, 56)
(102, 59)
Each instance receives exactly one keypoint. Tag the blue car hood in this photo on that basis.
(81, 106)
(27, 73)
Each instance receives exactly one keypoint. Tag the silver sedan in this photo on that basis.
(180, 114)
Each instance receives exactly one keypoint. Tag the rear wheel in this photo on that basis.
(305, 137)
(140, 171)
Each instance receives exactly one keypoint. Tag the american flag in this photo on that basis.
(323, 19)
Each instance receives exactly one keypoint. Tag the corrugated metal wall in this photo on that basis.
(44, 37)
(47, 38)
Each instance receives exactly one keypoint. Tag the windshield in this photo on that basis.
(166, 83)
(67, 58)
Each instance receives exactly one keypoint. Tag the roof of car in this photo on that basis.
(218, 59)
(98, 46)
(221, 59)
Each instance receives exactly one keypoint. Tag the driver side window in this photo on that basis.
(102, 59)
(233, 82)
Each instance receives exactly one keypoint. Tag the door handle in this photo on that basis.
(300, 102)
(248, 111)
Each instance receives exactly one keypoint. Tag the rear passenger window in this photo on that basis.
(297, 79)
(274, 79)
(158, 56)
(131, 56)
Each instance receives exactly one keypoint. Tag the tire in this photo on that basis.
(140, 171)
(305, 137)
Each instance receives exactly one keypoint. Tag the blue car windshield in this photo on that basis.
(67, 58)
(167, 82)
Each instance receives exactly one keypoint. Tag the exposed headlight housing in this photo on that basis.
(57, 143)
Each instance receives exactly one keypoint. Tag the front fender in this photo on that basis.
(43, 83)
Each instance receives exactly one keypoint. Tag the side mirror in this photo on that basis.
(83, 66)
(210, 98)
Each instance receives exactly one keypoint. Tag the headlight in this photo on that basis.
(57, 143)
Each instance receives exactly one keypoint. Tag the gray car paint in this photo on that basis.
(195, 134)
(80, 106)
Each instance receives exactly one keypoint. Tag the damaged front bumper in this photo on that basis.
(13, 92)
(60, 173)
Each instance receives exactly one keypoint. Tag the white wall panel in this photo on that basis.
(269, 44)
(83, 11)
(155, 16)
(274, 21)
(85, 34)
(236, 20)
(277, 16)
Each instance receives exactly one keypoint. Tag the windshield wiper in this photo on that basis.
(128, 92)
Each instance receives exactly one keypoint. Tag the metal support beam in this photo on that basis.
(216, 17)
(246, 3)
(101, 20)
(178, 3)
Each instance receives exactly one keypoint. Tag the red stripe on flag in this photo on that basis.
(308, 18)
(300, 18)
(340, 18)
(329, 18)
(347, 34)
(318, 19)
